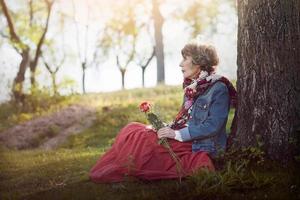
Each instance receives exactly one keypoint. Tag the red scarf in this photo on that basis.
(202, 85)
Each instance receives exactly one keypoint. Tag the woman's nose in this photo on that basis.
(181, 64)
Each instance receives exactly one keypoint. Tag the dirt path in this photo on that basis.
(48, 132)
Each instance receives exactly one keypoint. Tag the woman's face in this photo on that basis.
(189, 70)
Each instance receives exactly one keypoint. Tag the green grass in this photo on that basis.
(63, 173)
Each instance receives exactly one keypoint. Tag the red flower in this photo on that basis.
(145, 107)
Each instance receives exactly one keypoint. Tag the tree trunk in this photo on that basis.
(123, 78)
(83, 67)
(159, 45)
(143, 76)
(268, 76)
(54, 85)
(23, 50)
(17, 88)
(32, 68)
(53, 76)
(34, 62)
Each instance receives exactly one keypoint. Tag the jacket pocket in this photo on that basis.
(201, 110)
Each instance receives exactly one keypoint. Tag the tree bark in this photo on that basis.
(53, 77)
(54, 85)
(159, 45)
(144, 66)
(123, 71)
(17, 88)
(23, 50)
(268, 76)
(34, 62)
(83, 67)
(143, 76)
(13, 35)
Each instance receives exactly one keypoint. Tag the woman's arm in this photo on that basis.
(218, 113)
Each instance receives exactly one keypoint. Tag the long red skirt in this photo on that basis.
(137, 153)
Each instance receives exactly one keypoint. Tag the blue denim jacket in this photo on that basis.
(207, 125)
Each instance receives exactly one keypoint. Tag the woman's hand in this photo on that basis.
(166, 132)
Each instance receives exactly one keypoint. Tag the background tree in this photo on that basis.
(24, 40)
(158, 21)
(29, 20)
(120, 36)
(269, 76)
(145, 48)
(86, 34)
(202, 16)
(34, 62)
(53, 52)
(144, 62)
(53, 70)
(82, 52)
(54, 58)
(199, 16)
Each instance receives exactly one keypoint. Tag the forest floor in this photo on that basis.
(47, 153)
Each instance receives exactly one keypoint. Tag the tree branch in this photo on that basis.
(41, 41)
(132, 53)
(47, 66)
(77, 31)
(118, 62)
(150, 58)
(4, 35)
(30, 12)
(13, 36)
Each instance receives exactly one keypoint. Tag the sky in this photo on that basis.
(106, 77)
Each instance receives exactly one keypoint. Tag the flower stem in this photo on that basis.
(158, 124)
(179, 169)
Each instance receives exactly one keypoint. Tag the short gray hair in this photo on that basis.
(204, 55)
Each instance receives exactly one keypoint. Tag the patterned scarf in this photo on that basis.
(196, 87)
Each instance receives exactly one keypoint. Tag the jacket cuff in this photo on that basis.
(183, 135)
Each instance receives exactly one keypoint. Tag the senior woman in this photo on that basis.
(197, 134)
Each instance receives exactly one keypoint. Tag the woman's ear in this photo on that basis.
(198, 67)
